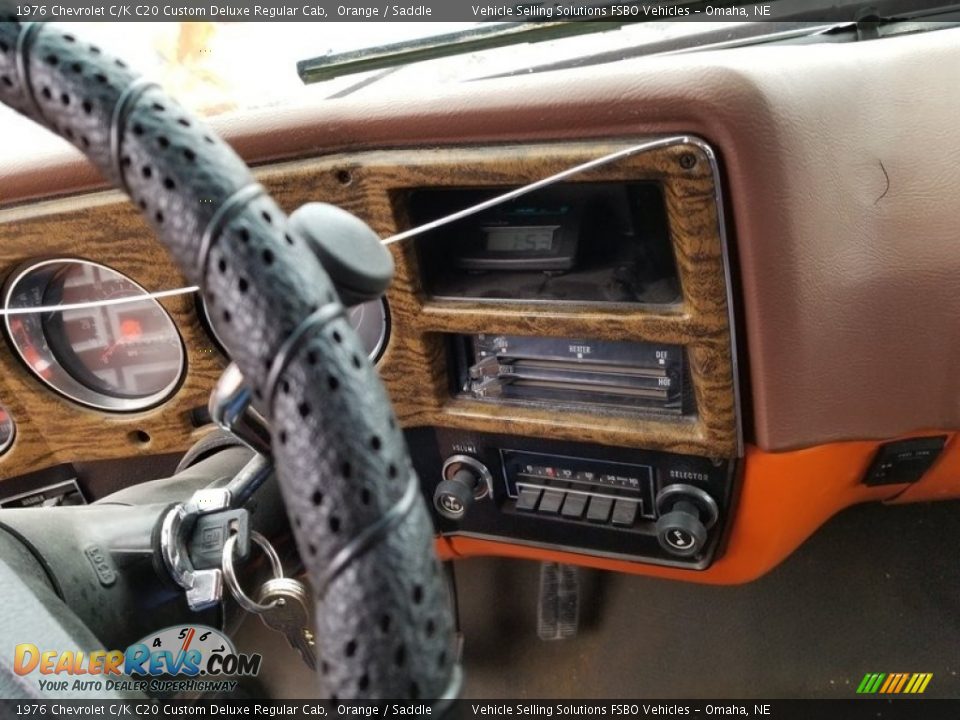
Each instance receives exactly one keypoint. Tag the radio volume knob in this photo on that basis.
(465, 480)
(686, 515)
(453, 497)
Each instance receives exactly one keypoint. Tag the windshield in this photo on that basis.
(217, 68)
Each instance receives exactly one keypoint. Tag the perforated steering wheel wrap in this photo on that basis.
(384, 621)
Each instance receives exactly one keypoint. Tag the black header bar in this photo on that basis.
(901, 708)
(467, 10)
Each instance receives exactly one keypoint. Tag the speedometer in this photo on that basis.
(111, 347)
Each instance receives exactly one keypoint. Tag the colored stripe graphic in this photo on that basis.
(870, 683)
(891, 679)
(894, 683)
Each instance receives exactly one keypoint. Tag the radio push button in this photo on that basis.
(552, 500)
(624, 513)
(574, 505)
(599, 510)
(528, 498)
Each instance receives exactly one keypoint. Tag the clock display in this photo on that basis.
(530, 239)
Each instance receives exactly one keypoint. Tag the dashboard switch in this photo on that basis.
(599, 510)
(904, 461)
(552, 500)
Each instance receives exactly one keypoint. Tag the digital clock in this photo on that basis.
(530, 238)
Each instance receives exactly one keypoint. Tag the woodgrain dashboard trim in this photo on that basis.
(828, 271)
(51, 430)
(374, 186)
(106, 228)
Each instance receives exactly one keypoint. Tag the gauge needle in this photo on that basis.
(187, 640)
(108, 351)
(186, 645)
(129, 330)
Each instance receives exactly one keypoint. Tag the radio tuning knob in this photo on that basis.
(686, 514)
(465, 480)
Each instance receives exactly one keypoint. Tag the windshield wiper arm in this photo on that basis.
(486, 37)
(333, 65)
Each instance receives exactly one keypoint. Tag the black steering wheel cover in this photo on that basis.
(385, 626)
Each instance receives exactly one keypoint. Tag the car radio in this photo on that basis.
(579, 488)
(635, 504)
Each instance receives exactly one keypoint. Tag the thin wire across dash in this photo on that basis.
(398, 237)
(63, 307)
(646, 146)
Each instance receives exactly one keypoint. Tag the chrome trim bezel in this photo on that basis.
(386, 327)
(707, 149)
(484, 486)
(66, 384)
(6, 444)
(70, 485)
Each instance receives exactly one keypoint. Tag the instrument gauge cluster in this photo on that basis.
(96, 337)
(93, 335)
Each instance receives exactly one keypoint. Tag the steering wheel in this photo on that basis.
(383, 616)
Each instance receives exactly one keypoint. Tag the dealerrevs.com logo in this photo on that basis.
(181, 655)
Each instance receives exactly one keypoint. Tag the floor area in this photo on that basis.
(876, 590)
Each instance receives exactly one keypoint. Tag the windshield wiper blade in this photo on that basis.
(495, 35)
(485, 37)
(333, 65)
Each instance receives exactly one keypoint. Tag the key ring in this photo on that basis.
(230, 574)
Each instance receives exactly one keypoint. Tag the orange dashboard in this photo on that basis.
(784, 498)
